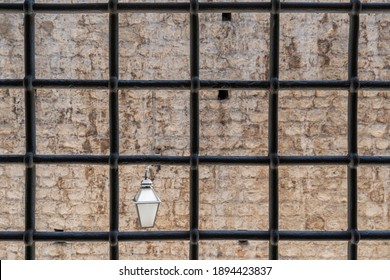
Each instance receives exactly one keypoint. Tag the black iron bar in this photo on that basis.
(374, 235)
(11, 235)
(242, 7)
(11, 8)
(273, 132)
(40, 236)
(72, 236)
(154, 235)
(352, 177)
(203, 160)
(12, 159)
(204, 85)
(71, 84)
(29, 99)
(114, 128)
(194, 130)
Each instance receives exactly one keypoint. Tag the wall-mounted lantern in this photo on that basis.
(147, 202)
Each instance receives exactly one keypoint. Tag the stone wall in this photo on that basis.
(152, 46)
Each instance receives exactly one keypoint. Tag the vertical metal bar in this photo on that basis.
(29, 95)
(114, 128)
(273, 131)
(353, 128)
(194, 130)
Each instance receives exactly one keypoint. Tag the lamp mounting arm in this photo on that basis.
(148, 172)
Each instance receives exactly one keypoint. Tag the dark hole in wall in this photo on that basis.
(243, 242)
(226, 16)
(223, 94)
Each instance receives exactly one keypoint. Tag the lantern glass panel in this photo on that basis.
(147, 213)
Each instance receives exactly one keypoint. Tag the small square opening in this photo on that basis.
(226, 17)
(223, 94)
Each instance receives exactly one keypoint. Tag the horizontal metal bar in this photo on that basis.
(314, 85)
(374, 235)
(283, 235)
(374, 85)
(204, 160)
(71, 236)
(98, 84)
(11, 8)
(375, 8)
(315, 235)
(96, 236)
(333, 235)
(234, 160)
(374, 160)
(203, 235)
(242, 7)
(156, 85)
(314, 160)
(154, 235)
(123, 159)
(71, 84)
(71, 159)
(233, 235)
(305, 7)
(11, 235)
(17, 159)
(224, 84)
(154, 7)
(11, 83)
(204, 84)
(152, 159)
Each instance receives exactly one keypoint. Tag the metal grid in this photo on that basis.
(352, 160)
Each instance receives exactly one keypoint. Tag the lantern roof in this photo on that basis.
(146, 194)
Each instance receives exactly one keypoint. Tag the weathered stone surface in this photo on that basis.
(153, 46)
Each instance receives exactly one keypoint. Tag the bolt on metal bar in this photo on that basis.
(273, 131)
(194, 130)
(352, 177)
(114, 127)
(29, 99)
